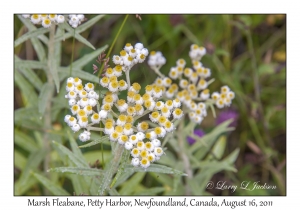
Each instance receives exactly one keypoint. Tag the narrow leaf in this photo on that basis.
(24, 141)
(22, 189)
(30, 64)
(30, 34)
(32, 78)
(19, 160)
(210, 137)
(92, 143)
(129, 186)
(52, 187)
(26, 88)
(78, 171)
(231, 158)
(28, 114)
(65, 72)
(79, 29)
(74, 158)
(80, 63)
(33, 162)
(78, 36)
(31, 27)
(45, 97)
(155, 168)
(74, 145)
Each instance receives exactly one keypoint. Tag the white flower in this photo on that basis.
(140, 145)
(70, 87)
(35, 19)
(75, 127)
(103, 114)
(156, 143)
(84, 102)
(128, 145)
(145, 163)
(72, 121)
(177, 113)
(114, 136)
(117, 59)
(145, 51)
(95, 118)
(25, 16)
(133, 139)
(83, 137)
(82, 94)
(181, 62)
(135, 162)
(60, 19)
(215, 96)
(92, 102)
(104, 82)
(93, 94)
(149, 146)
(72, 102)
(176, 103)
(140, 136)
(158, 151)
(135, 153)
(67, 117)
(80, 17)
(139, 46)
(46, 23)
(83, 121)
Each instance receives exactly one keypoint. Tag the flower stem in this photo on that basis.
(184, 157)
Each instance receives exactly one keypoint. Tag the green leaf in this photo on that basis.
(80, 63)
(232, 157)
(52, 187)
(78, 171)
(45, 97)
(30, 34)
(77, 160)
(57, 48)
(77, 36)
(129, 186)
(113, 192)
(210, 138)
(26, 88)
(19, 160)
(28, 117)
(155, 168)
(65, 72)
(32, 78)
(30, 64)
(219, 148)
(25, 142)
(22, 189)
(33, 162)
(79, 29)
(95, 142)
(31, 27)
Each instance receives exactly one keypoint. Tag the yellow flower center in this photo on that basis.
(122, 118)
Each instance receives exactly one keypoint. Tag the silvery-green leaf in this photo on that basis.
(27, 90)
(65, 72)
(95, 142)
(81, 62)
(45, 97)
(78, 171)
(32, 78)
(79, 29)
(150, 191)
(77, 160)
(24, 141)
(52, 187)
(129, 186)
(155, 168)
(31, 27)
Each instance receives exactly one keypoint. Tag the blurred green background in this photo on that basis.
(245, 52)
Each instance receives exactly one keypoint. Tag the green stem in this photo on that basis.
(113, 44)
(184, 157)
(47, 116)
(72, 57)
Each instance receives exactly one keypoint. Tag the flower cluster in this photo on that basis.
(48, 19)
(82, 99)
(140, 137)
(193, 89)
